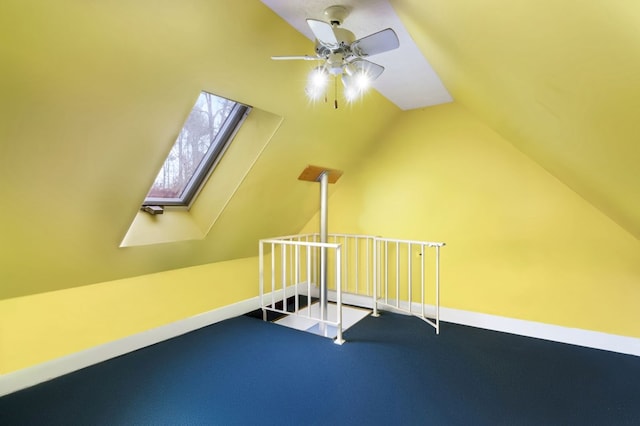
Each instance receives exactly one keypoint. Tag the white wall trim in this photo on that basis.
(556, 333)
(31, 376)
(574, 336)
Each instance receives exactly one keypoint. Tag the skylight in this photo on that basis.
(201, 143)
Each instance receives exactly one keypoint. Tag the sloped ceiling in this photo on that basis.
(560, 80)
(92, 95)
(408, 80)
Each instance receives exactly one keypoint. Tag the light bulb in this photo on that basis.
(318, 79)
(313, 93)
(351, 91)
(351, 94)
(362, 81)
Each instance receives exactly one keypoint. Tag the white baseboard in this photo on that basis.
(574, 336)
(31, 376)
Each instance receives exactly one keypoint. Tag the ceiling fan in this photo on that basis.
(343, 55)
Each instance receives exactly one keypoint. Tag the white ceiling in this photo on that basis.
(408, 80)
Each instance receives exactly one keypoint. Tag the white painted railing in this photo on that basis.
(294, 270)
(367, 271)
(406, 272)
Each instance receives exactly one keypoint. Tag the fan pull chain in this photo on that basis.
(335, 92)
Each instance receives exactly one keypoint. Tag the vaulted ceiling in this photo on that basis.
(92, 95)
(560, 80)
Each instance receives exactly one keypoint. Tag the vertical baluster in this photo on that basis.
(371, 272)
(410, 276)
(273, 275)
(309, 268)
(357, 262)
(297, 277)
(291, 263)
(386, 272)
(397, 274)
(367, 265)
(261, 272)
(376, 274)
(422, 283)
(284, 276)
(345, 263)
(437, 289)
(339, 339)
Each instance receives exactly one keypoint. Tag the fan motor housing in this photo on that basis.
(344, 37)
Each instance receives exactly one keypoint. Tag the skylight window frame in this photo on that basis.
(221, 142)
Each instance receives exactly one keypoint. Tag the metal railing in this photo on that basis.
(364, 270)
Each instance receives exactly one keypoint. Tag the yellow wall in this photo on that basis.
(94, 93)
(520, 243)
(194, 223)
(560, 80)
(38, 328)
(93, 97)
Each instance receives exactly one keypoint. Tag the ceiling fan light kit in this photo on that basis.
(342, 55)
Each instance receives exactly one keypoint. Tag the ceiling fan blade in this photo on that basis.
(371, 70)
(296, 57)
(323, 32)
(379, 42)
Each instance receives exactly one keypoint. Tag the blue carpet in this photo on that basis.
(393, 370)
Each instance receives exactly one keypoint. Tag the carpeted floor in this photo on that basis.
(394, 370)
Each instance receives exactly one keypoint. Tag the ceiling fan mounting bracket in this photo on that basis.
(336, 14)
